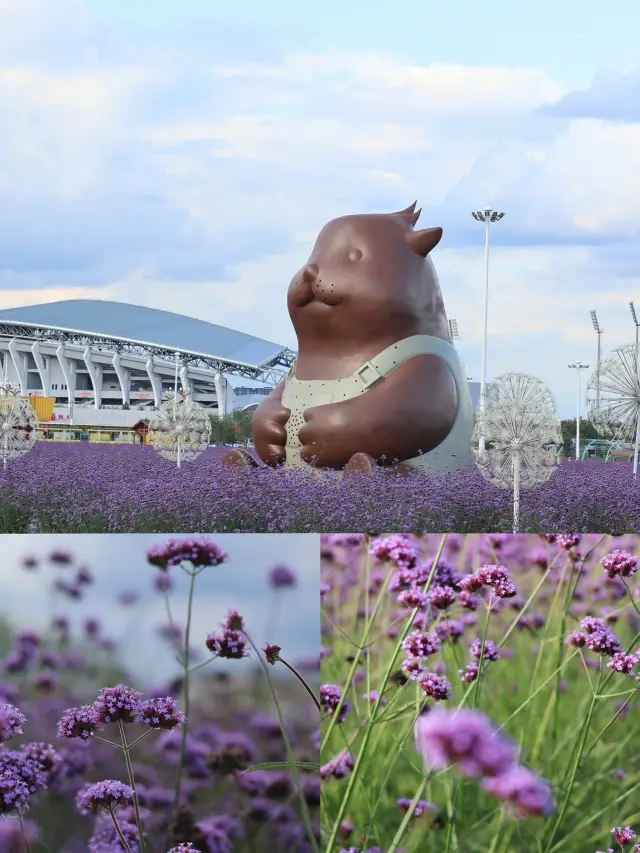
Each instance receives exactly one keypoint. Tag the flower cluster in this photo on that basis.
(119, 704)
(200, 552)
(620, 564)
(495, 577)
(330, 698)
(400, 551)
(468, 739)
(596, 636)
(230, 642)
(11, 722)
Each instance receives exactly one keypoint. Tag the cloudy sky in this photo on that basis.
(165, 154)
(289, 617)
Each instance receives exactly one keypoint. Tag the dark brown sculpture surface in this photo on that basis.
(367, 285)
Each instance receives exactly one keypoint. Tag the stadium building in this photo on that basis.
(108, 365)
(101, 368)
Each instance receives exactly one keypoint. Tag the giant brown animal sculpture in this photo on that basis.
(377, 380)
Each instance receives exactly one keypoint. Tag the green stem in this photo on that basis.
(200, 665)
(354, 666)
(590, 821)
(123, 840)
(633, 603)
(142, 737)
(574, 771)
(607, 727)
(482, 665)
(104, 740)
(185, 689)
(306, 817)
(397, 838)
(568, 598)
(172, 624)
(126, 748)
(496, 834)
(302, 681)
(22, 832)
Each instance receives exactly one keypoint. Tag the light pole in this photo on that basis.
(175, 408)
(487, 216)
(599, 331)
(453, 330)
(578, 366)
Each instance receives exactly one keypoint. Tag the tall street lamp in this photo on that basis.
(487, 216)
(578, 366)
(599, 331)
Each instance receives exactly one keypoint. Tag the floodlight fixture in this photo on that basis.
(635, 320)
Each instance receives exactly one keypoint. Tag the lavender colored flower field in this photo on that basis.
(220, 758)
(86, 488)
(479, 693)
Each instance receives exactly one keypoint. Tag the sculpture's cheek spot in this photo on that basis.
(355, 255)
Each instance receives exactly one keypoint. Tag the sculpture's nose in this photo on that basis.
(310, 273)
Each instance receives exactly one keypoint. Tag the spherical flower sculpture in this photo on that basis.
(18, 425)
(522, 435)
(613, 393)
(180, 430)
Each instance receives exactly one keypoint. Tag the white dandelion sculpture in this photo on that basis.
(618, 414)
(18, 424)
(522, 434)
(180, 429)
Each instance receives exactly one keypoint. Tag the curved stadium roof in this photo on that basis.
(146, 326)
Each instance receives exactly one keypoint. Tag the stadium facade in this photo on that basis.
(108, 363)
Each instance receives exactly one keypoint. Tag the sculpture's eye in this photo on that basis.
(355, 255)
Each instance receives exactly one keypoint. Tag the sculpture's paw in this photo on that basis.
(238, 459)
(362, 463)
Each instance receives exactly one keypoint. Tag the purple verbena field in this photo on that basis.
(73, 488)
(480, 693)
(212, 762)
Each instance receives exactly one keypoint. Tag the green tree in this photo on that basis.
(233, 428)
(587, 432)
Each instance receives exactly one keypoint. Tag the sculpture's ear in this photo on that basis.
(409, 209)
(409, 214)
(423, 242)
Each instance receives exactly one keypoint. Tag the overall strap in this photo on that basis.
(379, 367)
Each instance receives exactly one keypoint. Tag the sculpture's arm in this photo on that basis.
(269, 427)
(410, 412)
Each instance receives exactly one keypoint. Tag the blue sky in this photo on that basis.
(183, 157)
(290, 617)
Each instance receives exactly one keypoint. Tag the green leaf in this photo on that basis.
(284, 765)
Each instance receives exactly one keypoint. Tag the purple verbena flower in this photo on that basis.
(421, 645)
(281, 576)
(523, 790)
(339, 767)
(117, 704)
(466, 738)
(620, 564)
(79, 722)
(160, 713)
(11, 722)
(104, 795)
